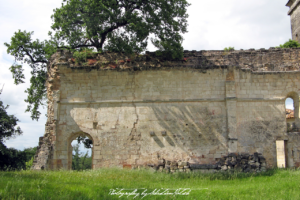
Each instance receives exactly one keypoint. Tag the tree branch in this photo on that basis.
(31, 58)
(82, 45)
(104, 34)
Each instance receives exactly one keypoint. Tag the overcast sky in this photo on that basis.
(213, 25)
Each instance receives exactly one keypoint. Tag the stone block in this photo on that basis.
(182, 164)
(166, 170)
(98, 156)
(161, 162)
(203, 166)
(173, 167)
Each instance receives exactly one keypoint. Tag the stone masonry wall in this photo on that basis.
(142, 108)
(294, 12)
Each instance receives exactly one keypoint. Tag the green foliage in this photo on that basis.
(29, 163)
(36, 93)
(17, 72)
(88, 143)
(8, 124)
(36, 55)
(96, 184)
(30, 152)
(169, 47)
(13, 159)
(229, 49)
(80, 161)
(10, 158)
(124, 25)
(289, 44)
(111, 25)
(82, 54)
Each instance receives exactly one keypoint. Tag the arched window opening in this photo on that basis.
(290, 114)
(81, 152)
(292, 103)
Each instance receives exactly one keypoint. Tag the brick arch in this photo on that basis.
(72, 137)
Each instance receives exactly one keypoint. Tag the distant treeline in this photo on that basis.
(13, 159)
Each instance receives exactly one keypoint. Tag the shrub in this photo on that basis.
(289, 44)
(229, 49)
(82, 55)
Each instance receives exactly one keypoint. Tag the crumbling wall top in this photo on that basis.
(262, 60)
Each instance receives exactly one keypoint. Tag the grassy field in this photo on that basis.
(99, 184)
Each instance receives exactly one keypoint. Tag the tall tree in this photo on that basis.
(76, 157)
(80, 161)
(8, 124)
(104, 25)
(9, 157)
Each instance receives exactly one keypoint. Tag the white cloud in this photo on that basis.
(256, 24)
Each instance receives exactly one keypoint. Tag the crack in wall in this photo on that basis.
(118, 120)
(132, 135)
(137, 119)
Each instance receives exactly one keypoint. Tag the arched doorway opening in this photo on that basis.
(80, 151)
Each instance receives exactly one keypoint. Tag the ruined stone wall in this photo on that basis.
(293, 149)
(294, 13)
(141, 109)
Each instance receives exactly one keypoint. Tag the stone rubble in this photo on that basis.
(243, 162)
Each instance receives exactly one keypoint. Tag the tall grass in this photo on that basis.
(97, 184)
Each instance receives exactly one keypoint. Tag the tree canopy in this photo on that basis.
(8, 124)
(104, 25)
(9, 158)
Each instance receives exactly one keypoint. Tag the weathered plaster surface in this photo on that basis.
(139, 110)
(294, 13)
